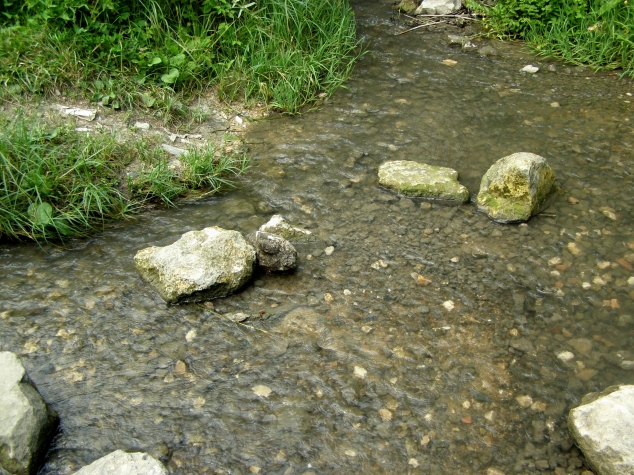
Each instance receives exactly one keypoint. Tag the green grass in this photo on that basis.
(598, 33)
(283, 53)
(56, 183)
(602, 39)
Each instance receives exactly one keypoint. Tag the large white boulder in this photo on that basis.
(122, 463)
(423, 180)
(438, 7)
(210, 263)
(603, 428)
(516, 187)
(27, 423)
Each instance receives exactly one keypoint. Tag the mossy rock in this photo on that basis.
(516, 188)
(422, 180)
(408, 6)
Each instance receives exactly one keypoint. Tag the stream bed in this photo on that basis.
(414, 337)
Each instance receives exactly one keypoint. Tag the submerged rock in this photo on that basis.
(516, 187)
(274, 253)
(278, 225)
(122, 463)
(201, 265)
(438, 7)
(27, 423)
(603, 428)
(408, 6)
(419, 179)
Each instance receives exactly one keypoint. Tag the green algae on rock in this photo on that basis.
(516, 187)
(422, 180)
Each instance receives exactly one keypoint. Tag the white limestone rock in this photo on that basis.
(27, 423)
(438, 7)
(122, 463)
(603, 428)
(206, 264)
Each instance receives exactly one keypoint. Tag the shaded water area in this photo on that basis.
(369, 370)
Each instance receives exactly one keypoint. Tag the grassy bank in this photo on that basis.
(57, 183)
(154, 55)
(598, 33)
(283, 53)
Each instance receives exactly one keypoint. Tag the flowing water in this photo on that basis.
(369, 369)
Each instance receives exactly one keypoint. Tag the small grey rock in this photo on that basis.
(487, 51)
(274, 253)
(279, 226)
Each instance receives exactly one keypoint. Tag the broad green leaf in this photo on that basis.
(155, 60)
(42, 213)
(177, 60)
(171, 77)
(148, 101)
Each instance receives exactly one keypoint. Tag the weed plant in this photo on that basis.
(599, 33)
(56, 183)
(120, 53)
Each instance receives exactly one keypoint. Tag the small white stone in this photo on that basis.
(413, 462)
(630, 281)
(524, 401)
(347, 292)
(554, 261)
(565, 356)
(490, 416)
(141, 125)
(586, 285)
(366, 329)
(530, 69)
(572, 247)
(555, 273)
(455, 259)
(466, 404)
(360, 372)
(350, 453)
(329, 250)
(598, 280)
(603, 264)
(191, 335)
(261, 390)
(449, 305)
(554, 104)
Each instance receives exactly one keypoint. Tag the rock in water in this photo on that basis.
(27, 423)
(278, 225)
(603, 428)
(274, 253)
(408, 6)
(420, 179)
(201, 265)
(438, 7)
(516, 187)
(122, 463)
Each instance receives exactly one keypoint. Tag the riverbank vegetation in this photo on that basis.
(599, 33)
(284, 53)
(57, 183)
(153, 56)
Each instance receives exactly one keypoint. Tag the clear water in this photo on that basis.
(369, 371)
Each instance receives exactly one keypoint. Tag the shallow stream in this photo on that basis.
(370, 370)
